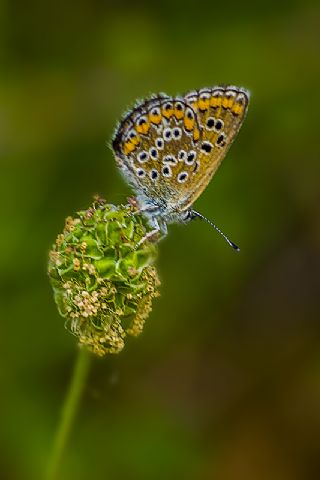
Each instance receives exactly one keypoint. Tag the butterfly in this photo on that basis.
(169, 148)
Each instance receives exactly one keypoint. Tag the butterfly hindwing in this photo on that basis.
(155, 147)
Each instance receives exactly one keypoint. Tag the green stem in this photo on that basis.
(68, 412)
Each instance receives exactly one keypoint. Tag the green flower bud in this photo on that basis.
(103, 284)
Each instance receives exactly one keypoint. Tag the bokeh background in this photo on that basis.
(224, 382)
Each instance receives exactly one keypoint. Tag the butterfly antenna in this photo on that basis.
(233, 245)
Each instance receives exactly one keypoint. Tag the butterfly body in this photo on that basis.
(168, 148)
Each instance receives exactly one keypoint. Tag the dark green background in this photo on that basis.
(224, 383)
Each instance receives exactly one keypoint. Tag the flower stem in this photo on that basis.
(68, 412)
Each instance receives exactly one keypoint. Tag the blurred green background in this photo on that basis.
(224, 383)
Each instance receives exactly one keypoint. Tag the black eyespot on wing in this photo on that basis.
(143, 156)
(159, 142)
(182, 177)
(206, 147)
(182, 155)
(210, 122)
(153, 153)
(141, 172)
(167, 133)
(190, 158)
(154, 174)
(177, 132)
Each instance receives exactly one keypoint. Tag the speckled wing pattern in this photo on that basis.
(169, 148)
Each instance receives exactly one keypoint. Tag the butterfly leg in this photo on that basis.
(162, 229)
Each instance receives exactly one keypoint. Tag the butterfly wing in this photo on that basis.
(169, 148)
(155, 148)
(220, 112)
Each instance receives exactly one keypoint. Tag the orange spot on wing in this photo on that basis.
(135, 140)
(227, 102)
(167, 113)
(203, 103)
(237, 108)
(215, 101)
(128, 147)
(178, 114)
(196, 134)
(188, 123)
(144, 128)
(155, 118)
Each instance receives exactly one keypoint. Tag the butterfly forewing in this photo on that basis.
(220, 112)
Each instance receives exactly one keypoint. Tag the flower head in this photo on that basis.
(103, 284)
